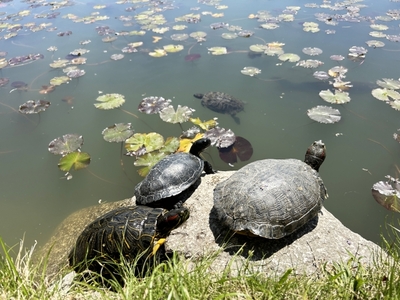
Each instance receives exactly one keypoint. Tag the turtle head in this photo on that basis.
(198, 95)
(199, 146)
(315, 155)
(171, 220)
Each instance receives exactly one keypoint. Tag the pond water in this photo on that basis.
(35, 195)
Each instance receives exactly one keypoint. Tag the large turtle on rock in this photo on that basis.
(174, 178)
(124, 232)
(221, 103)
(272, 198)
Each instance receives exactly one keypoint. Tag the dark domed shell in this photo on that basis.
(270, 198)
(169, 177)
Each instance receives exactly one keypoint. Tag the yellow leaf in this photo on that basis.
(206, 125)
(186, 144)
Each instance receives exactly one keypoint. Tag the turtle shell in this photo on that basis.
(222, 103)
(126, 231)
(270, 198)
(172, 177)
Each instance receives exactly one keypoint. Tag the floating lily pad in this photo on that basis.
(218, 50)
(173, 48)
(379, 27)
(60, 63)
(389, 83)
(118, 132)
(190, 133)
(220, 137)
(274, 51)
(321, 75)
(47, 89)
(34, 107)
(206, 125)
(66, 144)
(337, 57)
(289, 57)
(109, 39)
(312, 51)
(338, 97)
(153, 105)
(179, 36)
(241, 149)
(375, 44)
(182, 114)
(59, 80)
(186, 143)
(395, 104)
(250, 71)
(75, 73)
(310, 63)
(77, 160)
(117, 56)
(387, 193)
(147, 161)
(151, 141)
(158, 53)
(110, 101)
(229, 35)
(324, 114)
(3, 63)
(377, 34)
(199, 36)
(245, 33)
(337, 71)
(384, 94)
(269, 26)
(259, 48)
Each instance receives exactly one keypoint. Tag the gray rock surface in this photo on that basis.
(323, 239)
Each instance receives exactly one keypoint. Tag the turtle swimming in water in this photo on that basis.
(222, 103)
(272, 198)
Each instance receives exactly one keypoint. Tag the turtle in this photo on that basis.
(174, 178)
(221, 103)
(127, 232)
(272, 198)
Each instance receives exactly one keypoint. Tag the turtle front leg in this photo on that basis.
(208, 168)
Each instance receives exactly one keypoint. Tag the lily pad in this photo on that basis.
(59, 80)
(34, 107)
(173, 48)
(153, 105)
(384, 94)
(77, 160)
(387, 193)
(259, 48)
(118, 132)
(389, 83)
(310, 63)
(60, 63)
(269, 26)
(289, 57)
(324, 114)
(182, 114)
(312, 51)
(191, 132)
(229, 35)
(199, 36)
(205, 125)
(338, 97)
(110, 101)
(158, 53)
(321, 75)
(150, 141)
(66, 144)
(375, 44)
(218, 50)
(250, 71)
(220, 137)
(179, 36)
(241, 149)
(147, 161)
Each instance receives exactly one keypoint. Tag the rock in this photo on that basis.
(323, 240)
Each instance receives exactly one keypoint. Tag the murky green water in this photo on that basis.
(34, 196)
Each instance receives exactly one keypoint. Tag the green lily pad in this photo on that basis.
(387, 193)
(218, 50)
(229, 35)
(338, 97)
(269, 26)
(78, 160)
(389, 83)
(170, 145)
(3, 63)
(173, 48)
(60, 63)
(148, 161)
(289, 57)
(259, 48)
(59, 80)
(384, 94)
(182, 114)
(110, 101)
(395, 104)
(66, 144)
(151, 141)
(118, 132)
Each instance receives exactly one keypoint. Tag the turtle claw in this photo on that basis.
(157, 245)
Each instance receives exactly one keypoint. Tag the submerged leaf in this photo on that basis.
(241, 149)
(34, 107)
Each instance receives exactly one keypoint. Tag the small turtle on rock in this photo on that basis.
(221, 103)
(272, 198)
(174, 178)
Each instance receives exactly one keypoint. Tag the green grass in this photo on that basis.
(191, 279)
